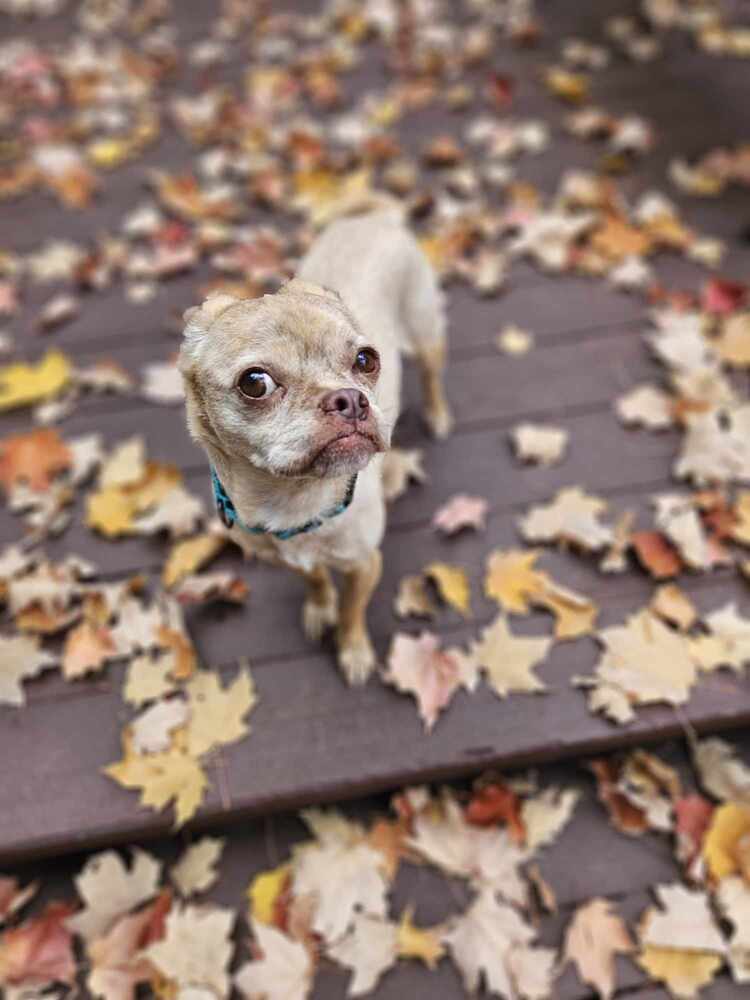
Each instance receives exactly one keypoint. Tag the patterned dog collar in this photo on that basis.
(228, 512)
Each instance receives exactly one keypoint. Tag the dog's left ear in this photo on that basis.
(299, 287)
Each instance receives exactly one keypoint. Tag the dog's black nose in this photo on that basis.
(351, 404)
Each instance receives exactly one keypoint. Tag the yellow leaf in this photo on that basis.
(509, 660)
(22, 384)
(511, 578)
(726, 847)
(216, 713)
(323, 194)
(418, 942)
(684, 972)
(452, 584)
(265, 889)
(189, 556)
(571, 87)
(111, 511)
(173, 775)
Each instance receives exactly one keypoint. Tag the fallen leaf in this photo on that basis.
(109, 890)
(206, 587)
(509, 660)
(161, 778)
(125, 466)
(721, 773)
(265, 891)
(190, 555)
(418, 666)
(595, 935)
(38, 952)
(13, 898)
(514, 341)
(493, 803)
(148, 678)
(733, 897)
(538, 444)
(461, 511)
(646, 406)
(422, 943)
(656, 554)
(196, 869)
(369, 949)
(452, 584)
(196, 948)
(162, 383)
(35, 459)
(413, 598)
(21, 657)
(177, 512)
(217, 714)
(725, 846)
(544, 816)
(284, 972)
(87, 649)
(674, 606)
(573, 516)
(692, 819)
(22, 384)
(152, 730)
(482, 941)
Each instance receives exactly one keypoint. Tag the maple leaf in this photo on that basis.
(681, 944)
(35, 459)
(413, 598)
(721, 773)
(418, 666)
(573, 517)
(512, 578)
(545, 815)
(116, 968)
(646, 406)
(482, 940)
(177, 512)
(161, 778)
(343, 873)
(217, 715)
(284, 972)
(22, 384)
(692, 819)
(196, 948)
(196, 869)
(190, 555)
(148, 678)
(656, 554)
(324, 195)
(461, 511)
(509, 660)
(677, 518)
(452, 584)
(87, 649)
(723, 848)
(728, 643)
(539, 444)
(644, 663)
(422, 943)
(204, 587)
(594, 936)
(495, 803)
(109, 889)
(113, 509)
(674, 606)
(733, 897)
(485, 856)
(21, 657)
(265, 892)
(369, 949)
(39, 951)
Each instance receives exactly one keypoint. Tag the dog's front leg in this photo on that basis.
(321, 608)
(355, 653)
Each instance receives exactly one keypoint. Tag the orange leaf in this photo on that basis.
(34, 458)
(496, 803)
(656, 554)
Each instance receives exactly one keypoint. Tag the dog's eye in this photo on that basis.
(367, 361)
(256, 384)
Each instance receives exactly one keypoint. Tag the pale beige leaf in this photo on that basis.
(532, 971)
(196, 869)
(178, 512)
(285, 971)
(514, 341)
(217, 714)
(674, 606)
(149, 677)
(109, 890)
(594, 936)
(126, 464)
(573, 516)
(369, 949)
(162, 383)
(683, 922)
(721, 772)
(733, 897)
(461, 511)
(418, 666)
(509, 660)
(545, 815)
(646, 406)
(539, 444)
(677, 518)
(21, 657)
(196, 949)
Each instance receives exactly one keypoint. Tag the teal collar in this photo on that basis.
(229, 516)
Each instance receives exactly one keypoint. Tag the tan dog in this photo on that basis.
(294, 397)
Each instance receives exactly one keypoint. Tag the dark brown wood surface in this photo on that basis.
(312, 738)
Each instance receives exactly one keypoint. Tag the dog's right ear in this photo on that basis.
(198, 319)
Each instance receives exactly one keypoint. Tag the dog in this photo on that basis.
(294, 397)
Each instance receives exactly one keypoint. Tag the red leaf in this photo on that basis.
(499, 89)
(693, 814)
(722, 297)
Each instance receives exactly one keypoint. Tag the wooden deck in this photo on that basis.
(313, 739)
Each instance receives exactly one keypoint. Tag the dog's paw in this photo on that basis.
(439, 422)
(357, 661)
(317, 618)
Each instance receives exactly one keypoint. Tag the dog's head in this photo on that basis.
(285, 381)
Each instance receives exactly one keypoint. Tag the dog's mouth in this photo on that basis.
(346, 452)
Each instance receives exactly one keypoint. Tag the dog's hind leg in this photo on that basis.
(355, 653)
(321, 608)
(423, 314)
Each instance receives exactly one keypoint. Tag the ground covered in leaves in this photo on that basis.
(569, 570)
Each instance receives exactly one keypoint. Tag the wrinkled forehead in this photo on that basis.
(292, 328)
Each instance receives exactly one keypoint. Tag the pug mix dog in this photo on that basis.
(294, 397)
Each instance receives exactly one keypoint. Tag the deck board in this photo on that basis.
(312, 739)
